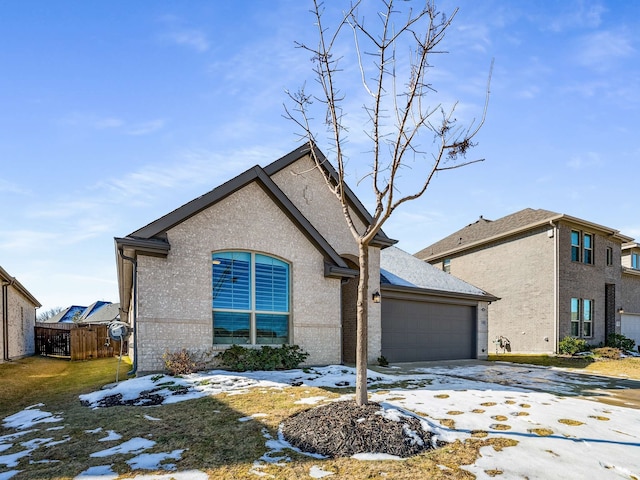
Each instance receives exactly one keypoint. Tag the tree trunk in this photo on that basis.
(362, 326)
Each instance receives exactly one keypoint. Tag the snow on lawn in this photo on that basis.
(559, 436)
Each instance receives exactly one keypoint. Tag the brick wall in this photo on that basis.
(519, 270)
(578, 280)
(22, 320)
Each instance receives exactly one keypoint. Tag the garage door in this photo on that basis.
(630, 326)
(414, 331)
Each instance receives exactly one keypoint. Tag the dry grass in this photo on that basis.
(208, 429)
(568, 421)
(625, 367)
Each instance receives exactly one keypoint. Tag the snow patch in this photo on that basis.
(135, 445)
(317, 472)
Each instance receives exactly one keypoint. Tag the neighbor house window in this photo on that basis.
(581, 317)
(635, 261)
(609, 256)
(587, 317)
(587, 255)
(575, 246)
(575, 317)
(581, 247)
(250, 298)
(446, 265)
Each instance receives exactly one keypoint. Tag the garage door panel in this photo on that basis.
(422, 331)
(630, 327)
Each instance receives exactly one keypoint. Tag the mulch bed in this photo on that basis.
(343, 429)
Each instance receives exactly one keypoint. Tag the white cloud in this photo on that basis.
(180, 35)
(195, 39)
(145, 128)
(192, 168)
(587, 160)
(91, 120)
(98, 122)
(601, 49)
(581, 14)
(23, 240)
(13, 188)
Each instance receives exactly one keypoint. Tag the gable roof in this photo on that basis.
(105, 314)
(484, 231)
(67, 315)
(151, 239)
(263, 177)
(153, 235)
(5, 278)
(381, 238)
(401, 269)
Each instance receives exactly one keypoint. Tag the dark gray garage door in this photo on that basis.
(415, 331)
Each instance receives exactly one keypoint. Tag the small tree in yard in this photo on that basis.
(398, 120)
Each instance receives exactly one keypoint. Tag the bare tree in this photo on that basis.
(399, 121)
(46, 315)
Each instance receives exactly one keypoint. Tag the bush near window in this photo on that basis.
(572, 345)
(242, 359)
(180, 362)
(617, 340)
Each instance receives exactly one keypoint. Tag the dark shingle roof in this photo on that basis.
(483, 230)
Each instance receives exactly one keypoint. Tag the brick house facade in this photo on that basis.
(556, 276)
(282, 215)
(18, 315)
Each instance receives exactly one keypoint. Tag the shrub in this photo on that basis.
(241, 359)
(609, 353)
(179, 362)
(382, 361)
(617, 340)
(572, 345)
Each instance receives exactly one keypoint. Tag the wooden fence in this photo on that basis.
(75, 341)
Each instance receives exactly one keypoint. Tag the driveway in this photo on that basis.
(609, 390)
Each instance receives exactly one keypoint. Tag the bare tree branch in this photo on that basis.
(398, 116)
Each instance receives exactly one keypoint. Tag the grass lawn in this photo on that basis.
(628, 367)
(207, 429)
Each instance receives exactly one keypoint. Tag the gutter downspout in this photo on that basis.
(134, 262)
(556, 281)
(5, 318)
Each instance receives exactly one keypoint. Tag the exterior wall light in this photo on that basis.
(621, 310)
(375, 297)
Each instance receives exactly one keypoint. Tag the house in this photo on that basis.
(263, 259)
(18, 308)
(630, 296)
(97, 312)
(106, 313)
(556, 276)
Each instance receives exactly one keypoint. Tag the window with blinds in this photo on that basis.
(250, 298)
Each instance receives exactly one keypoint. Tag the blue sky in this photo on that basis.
(113, 113)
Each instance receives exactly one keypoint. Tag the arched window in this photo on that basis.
(250, 298)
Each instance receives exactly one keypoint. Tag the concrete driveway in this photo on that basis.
(609, 390)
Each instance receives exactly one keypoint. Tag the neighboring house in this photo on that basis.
(264, 259)
(97, 312)
(18, 309)
(556, 276)
(106, 313)
(68, 315)
(630, 298)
